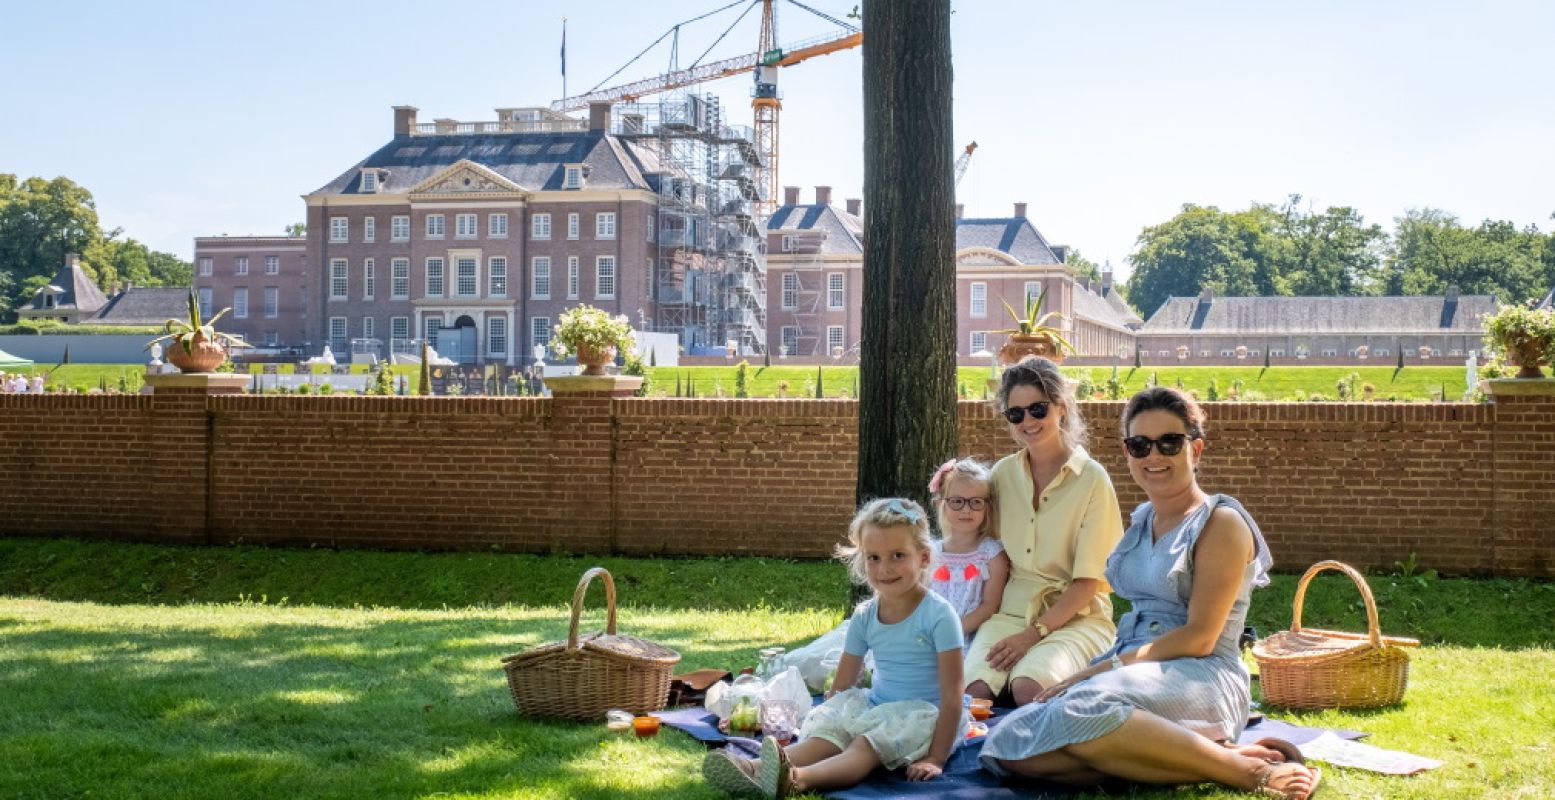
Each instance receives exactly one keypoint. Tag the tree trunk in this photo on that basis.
(907, 357)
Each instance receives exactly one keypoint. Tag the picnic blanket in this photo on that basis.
(963, 777)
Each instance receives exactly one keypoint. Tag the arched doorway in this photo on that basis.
(459, 341)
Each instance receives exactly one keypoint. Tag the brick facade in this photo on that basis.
(1463, 487)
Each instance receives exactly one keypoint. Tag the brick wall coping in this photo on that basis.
(1519, 387)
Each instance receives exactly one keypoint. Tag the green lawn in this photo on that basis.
(138, 670)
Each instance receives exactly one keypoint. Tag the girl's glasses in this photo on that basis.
(961, 503)
(1037, 410)
(1169, 444)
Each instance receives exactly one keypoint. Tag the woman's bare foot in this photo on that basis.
(1287, 781)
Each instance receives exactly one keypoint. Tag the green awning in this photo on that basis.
(8, 361)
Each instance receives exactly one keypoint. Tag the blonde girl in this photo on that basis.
(970, 567)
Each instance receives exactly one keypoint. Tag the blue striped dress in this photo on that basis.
(1207, 695)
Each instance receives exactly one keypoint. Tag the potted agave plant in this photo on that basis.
(1523, 336)
(593, 335)
(197, 347)
(1032, 336)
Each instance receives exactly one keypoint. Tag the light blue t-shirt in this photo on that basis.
(907, 653)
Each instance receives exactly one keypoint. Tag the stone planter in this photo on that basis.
(1020, 345)
(594, 360)
(203, 356)
(1528, 354)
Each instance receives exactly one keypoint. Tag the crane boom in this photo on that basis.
(963, 161)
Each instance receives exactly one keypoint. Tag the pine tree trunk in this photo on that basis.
(907, 369)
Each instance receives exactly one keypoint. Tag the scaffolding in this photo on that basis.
(803, 294)
(708, 281)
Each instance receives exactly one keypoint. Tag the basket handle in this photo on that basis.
(1373, 629)
(577, 605)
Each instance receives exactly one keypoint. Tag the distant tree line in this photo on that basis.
(1296, 250)
(42, 220)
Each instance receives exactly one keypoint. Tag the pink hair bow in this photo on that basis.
(939, 475)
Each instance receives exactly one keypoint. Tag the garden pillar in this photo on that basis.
(181, 454)
(584, 481)
(1522, 441)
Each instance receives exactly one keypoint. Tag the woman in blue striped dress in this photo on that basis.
(1164, 704)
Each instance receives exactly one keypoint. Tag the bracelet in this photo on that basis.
(1043, 631)
(1115, 661)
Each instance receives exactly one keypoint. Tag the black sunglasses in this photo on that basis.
(1169, 444)
(1017, 414)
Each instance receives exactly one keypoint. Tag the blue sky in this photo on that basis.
(188, 118)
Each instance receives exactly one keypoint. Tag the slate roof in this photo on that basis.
(1092, 306)
(151, 305)
(844, 232)
(1123, 309)
(1013, 235)
(534, 161)
(1317, 315)
(77, 291)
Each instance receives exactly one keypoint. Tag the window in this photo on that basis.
(979, 303)
(790, 340)
(834, 338)
(339, 229)
(1381, 351)
(435, 226)
(272, 302)
(272, 339)
(651, 226)
(399, 229)
(497, 226)
(206, 266)
(240, 265)
(432, 325)
(467, 277)
(369, 328)
(1033, 291)
(434, 277)
(1203, 354)
(572, 277)
(497, 276)
(1278, 353)
(272, 265)
(540, 226)
(369, 181)
(539, 331)
(572, 226)
(497, 336)
(338, 334)
(573, 177)
(466, 226)
(339, 282)
(1227, 353)
(605, 277)
(790, 290)
(605, 225)
(207, 300)
(834, 290)
(240, 302)
(789, 244)
(979, 341)
(540, 270)
(369, 279)
(399, 327)
(1329, 352)
(369, 229)
(399, 279)
(1164, 353)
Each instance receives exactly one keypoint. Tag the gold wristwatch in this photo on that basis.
(1042, 629)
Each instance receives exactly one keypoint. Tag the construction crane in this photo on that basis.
(766, 104)
(962, 161)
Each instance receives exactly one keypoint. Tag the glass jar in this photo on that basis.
(767, 669)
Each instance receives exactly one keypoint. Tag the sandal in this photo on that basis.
(776, 779)
(1268, 774)
(731, 774)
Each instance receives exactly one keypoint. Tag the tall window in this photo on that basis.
(979, 341)
(339, 281)
(369, 279)
(790, 290)
(497, 226)
(240, 265)
(272, 338)
(468, 279)
(572, 277)
(790, 340)
(431, 325)
(272, 265)
(539, 331)
(272, 302)
(435, 226)
(369, 229)
(834, 338)
(240, 302)
(540, 270)
(605, 225)
(466, 226)
(434, 277)
(497, 336)
(338, 334)
(399, 327)
(834, 290)
(653, 225)
(540, 226)
(399, 229)
(339, 229)
(979, 302)
(207, 267)
(1033, 290)
(207, 300)
(572, 226)
(497, 276)
(399, 279)
(369, 328)
(605, 277)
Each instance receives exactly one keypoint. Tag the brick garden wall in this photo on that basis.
(1461, 486)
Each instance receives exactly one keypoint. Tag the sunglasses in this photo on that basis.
(1017, 414)
(960, 503)
(1169, 444)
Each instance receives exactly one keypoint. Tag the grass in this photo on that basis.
(132, 670)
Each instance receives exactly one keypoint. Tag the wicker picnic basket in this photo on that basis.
(586, 676)
(1311, 668)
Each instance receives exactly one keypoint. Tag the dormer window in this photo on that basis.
(369, 181)
(573, 177)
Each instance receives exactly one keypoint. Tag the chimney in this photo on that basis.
(790, 195)
(1020, 210)
(960, 208)
(1452, 293)
(1106, 279)
(405, 120)
(1207, 295)
(823, 195)
(599, 117)
(72, 260)
(855, 206)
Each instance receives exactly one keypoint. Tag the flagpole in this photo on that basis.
(564, 56)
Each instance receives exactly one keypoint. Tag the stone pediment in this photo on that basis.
(466, 177)
(985, 257)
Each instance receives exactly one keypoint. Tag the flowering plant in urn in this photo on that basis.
(198, 347)
(593, 335)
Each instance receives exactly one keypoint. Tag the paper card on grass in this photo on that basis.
(1331, 749)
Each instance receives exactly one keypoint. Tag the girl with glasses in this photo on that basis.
(1058, 518)
(1168, 701)
(969, 567)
